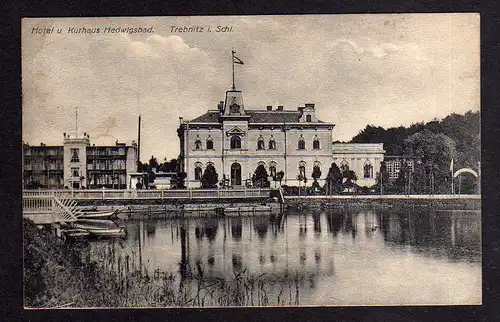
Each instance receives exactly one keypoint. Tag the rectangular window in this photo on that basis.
(393, 169)
(75, 155)
(76, 172)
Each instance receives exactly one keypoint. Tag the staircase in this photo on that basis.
(46, 207)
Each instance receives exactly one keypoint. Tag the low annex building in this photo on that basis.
(236, 140)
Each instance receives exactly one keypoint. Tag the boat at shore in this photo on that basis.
(100, 214)
(99, 228)
(227, 211)
(75, 233)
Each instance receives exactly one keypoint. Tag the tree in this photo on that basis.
(316, 174)
(181, 177)
(260, 177)
(170, 166)
(280, 175)
(153, 163)
(210, 177)
(333, 181)
(383, 184)
(401, 184)
(435, 151)
(349, 176)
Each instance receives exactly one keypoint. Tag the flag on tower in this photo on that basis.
(237, 60)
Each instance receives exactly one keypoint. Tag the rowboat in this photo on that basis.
(101, 228)
(251, 209)
(75, 233)
(100, 214)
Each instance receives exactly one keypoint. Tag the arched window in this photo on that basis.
(235, 142)
(210, 143)
(197, 143)
(316, 171)
(316, 145)
(308, 118)
(344, 166)
(272, 144)
(368, 170)
(272, 169)
(302, 143)
(197, 171)
(260, 143)
(302, 168)
(74, 155)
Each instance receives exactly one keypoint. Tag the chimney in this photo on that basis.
(280, 107)
(269, 107)
(220, 106)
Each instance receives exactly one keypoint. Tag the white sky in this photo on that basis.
(385, 70)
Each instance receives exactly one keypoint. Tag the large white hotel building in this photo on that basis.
(236, 140)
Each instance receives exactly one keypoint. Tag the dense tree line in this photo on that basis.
(435, 144)
(464, 130)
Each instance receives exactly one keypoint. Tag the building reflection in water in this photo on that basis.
(261, 225)
(236, 228)
(284, 248)
(317, 223)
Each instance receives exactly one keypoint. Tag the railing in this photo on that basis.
(49, 206)
(148, 194)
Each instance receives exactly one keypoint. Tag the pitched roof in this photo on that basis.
(208, 117)
(256, 116)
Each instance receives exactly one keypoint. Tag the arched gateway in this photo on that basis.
(235, 174)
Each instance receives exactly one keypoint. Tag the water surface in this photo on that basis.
(338, 257)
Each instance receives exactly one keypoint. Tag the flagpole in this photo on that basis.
(232, 52)
(452, 178)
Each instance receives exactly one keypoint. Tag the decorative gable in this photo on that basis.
(235, 131)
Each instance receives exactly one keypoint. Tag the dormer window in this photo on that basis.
(234, 109)
(235, 142)
(260, 143)
(316, 145)
(210, 143)
(272, 144)
(308, 118)
(301, 143)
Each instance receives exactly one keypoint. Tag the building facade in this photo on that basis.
(236, 140)
(76, 164)
(363, 158)
(394, 163)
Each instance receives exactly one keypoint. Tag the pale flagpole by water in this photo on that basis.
(452, 178)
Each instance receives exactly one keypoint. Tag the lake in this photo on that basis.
(332, 257)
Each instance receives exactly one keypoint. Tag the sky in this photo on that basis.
(380, 69)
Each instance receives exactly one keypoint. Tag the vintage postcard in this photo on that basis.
(219, 161)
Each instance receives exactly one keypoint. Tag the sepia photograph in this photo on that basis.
(251, 161)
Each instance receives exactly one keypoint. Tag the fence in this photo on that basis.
(106, 194)
(47, 206)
